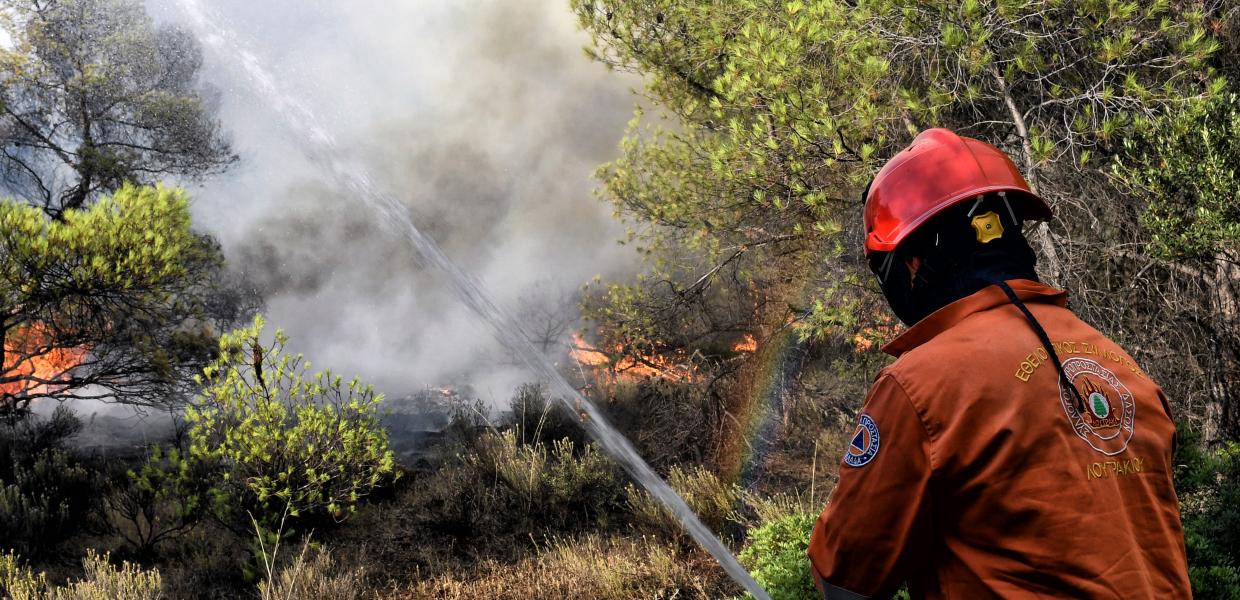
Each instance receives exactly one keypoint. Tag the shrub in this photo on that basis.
(1208, 482)
(39, 501)
(555, 482)
(714, 501)
(102, 581)
(45, 495)
(496, 486)
(105, 582)
(312, 574)
(205, 562)
(18, 582)
(775, 554)
(536, 418)
(288, 443)
(163, 498)
(668, 422)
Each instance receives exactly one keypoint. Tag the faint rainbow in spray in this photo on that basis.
(760, 403)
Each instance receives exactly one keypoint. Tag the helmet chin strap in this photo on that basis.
(1045, 339)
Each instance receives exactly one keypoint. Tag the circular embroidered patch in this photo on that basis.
(1106, 417)
(864, 444)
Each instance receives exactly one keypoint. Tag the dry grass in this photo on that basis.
(523, 514)
(714, 501)
(102, 581)
(313, 574)
(588, 567)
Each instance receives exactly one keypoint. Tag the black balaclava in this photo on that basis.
(953, 261)
(950, 259)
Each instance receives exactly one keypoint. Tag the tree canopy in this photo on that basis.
(93, 95)
(764, 120)
(116, 301)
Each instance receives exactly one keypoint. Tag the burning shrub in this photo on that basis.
(713, 500)
(287, 443)
(118, 299)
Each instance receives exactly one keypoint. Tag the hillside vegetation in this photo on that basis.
(735, 363)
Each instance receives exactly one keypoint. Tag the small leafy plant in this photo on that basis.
(776, 555)
(286, 442)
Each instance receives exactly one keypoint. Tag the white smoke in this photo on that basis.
(484, 117)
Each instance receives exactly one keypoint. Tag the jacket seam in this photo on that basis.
(934, 462)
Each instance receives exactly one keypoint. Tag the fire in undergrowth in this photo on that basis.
(619, 365)
(747, 344)
(34, 364)
(865, 339)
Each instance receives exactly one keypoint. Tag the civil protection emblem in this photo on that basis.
(864, 444)
(1105, 414)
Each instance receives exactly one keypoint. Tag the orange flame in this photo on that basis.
(586, 354)
(630, 368)
(866, 338)
(747, 344)
(863, 341)
(33, 359)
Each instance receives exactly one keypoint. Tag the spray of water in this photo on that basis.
(304, 125)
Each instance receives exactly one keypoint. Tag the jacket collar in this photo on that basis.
(987, 298)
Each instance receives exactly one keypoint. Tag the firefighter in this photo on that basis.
(1011, 450)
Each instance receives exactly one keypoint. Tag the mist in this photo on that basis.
(485, 118)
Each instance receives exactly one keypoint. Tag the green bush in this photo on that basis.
(45, 494)
(776, 555)
(1187, 166)
(1208, 482)
(287, 444)
(163, 498)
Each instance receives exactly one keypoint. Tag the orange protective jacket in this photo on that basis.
(974, 474)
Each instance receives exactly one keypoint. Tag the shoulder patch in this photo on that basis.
(864, 444)
(1105, 414)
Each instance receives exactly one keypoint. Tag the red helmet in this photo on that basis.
(936, 171)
